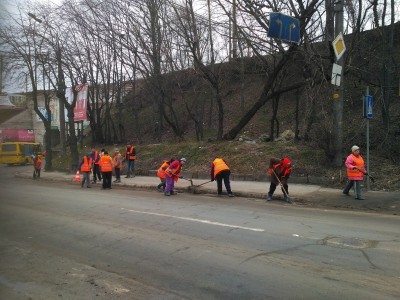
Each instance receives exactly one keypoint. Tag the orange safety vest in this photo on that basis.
(277, 170)
(119, 166)
(175, 172)
(87, 164)
(96, 155)
(359, 162)
(106, 163)
(161, 170)
(219, 166)
(129, 153)
(38, 163)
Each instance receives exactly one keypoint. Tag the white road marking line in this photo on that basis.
(196, 220)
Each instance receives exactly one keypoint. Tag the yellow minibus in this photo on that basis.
(18, 152)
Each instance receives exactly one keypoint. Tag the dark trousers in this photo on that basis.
(96, 172)
(162, 184)
(117, 173)
(36, 173)
(130, 168)
(86, 178)
(223, 175)
(357, 187)
(272, 188)
(107, 180)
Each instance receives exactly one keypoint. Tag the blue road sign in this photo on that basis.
(368, 105)
(284, 27)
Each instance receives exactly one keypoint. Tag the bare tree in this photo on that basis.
(191, 31)
(27, 50)
(249, 10)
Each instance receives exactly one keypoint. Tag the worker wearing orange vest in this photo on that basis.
(37, 165)
(106, 170)
(220, 171)
(172, 173)
(117, 164)
(355, 172)
(130, 157)
(161, 174)
(86, 167)
(96, 165)
(280, 170)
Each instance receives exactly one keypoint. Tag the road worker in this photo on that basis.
(106, 170)
(85, 167)
(173, 173)
(355, 172)
(37, 165)
(117, 164)
(220, 171)
(96, 165)
(280, 170)
(130, 157)
(161, 174)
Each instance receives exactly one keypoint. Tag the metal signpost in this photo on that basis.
(284, 27)
(368, 103)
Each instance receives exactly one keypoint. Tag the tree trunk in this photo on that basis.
(264, 97)
(297, 131)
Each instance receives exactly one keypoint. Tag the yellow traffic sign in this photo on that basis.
(338, 46)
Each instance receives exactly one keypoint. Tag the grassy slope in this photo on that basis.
(252, 159)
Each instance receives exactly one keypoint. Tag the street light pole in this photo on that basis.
(1, 74)
(121, 128)
(60, 87)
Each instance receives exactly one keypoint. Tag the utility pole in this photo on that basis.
(338, 103)
(234, 32)
(367, 124)
(120, 93)
(61, 87)
(1, 74)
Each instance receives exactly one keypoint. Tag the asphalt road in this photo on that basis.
(62, 241)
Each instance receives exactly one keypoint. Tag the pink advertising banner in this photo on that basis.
(80, 110)
(17, 135)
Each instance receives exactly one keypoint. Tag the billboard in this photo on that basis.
(80, 110)
(17, 135)
(53, 112)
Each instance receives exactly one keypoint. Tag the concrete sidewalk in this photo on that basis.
(301, 194)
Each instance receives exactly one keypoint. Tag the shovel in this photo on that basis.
(366, 174)
(202, 183)
(194, 187)
(283, 189)
(191, 181)
(370, 177)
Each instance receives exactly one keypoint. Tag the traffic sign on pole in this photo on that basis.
(368, 105)
(284, 27)
(336, 74)
(338, 46)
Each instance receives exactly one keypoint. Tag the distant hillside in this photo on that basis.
(312, 107)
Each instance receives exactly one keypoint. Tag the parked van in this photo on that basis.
(18, 152)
